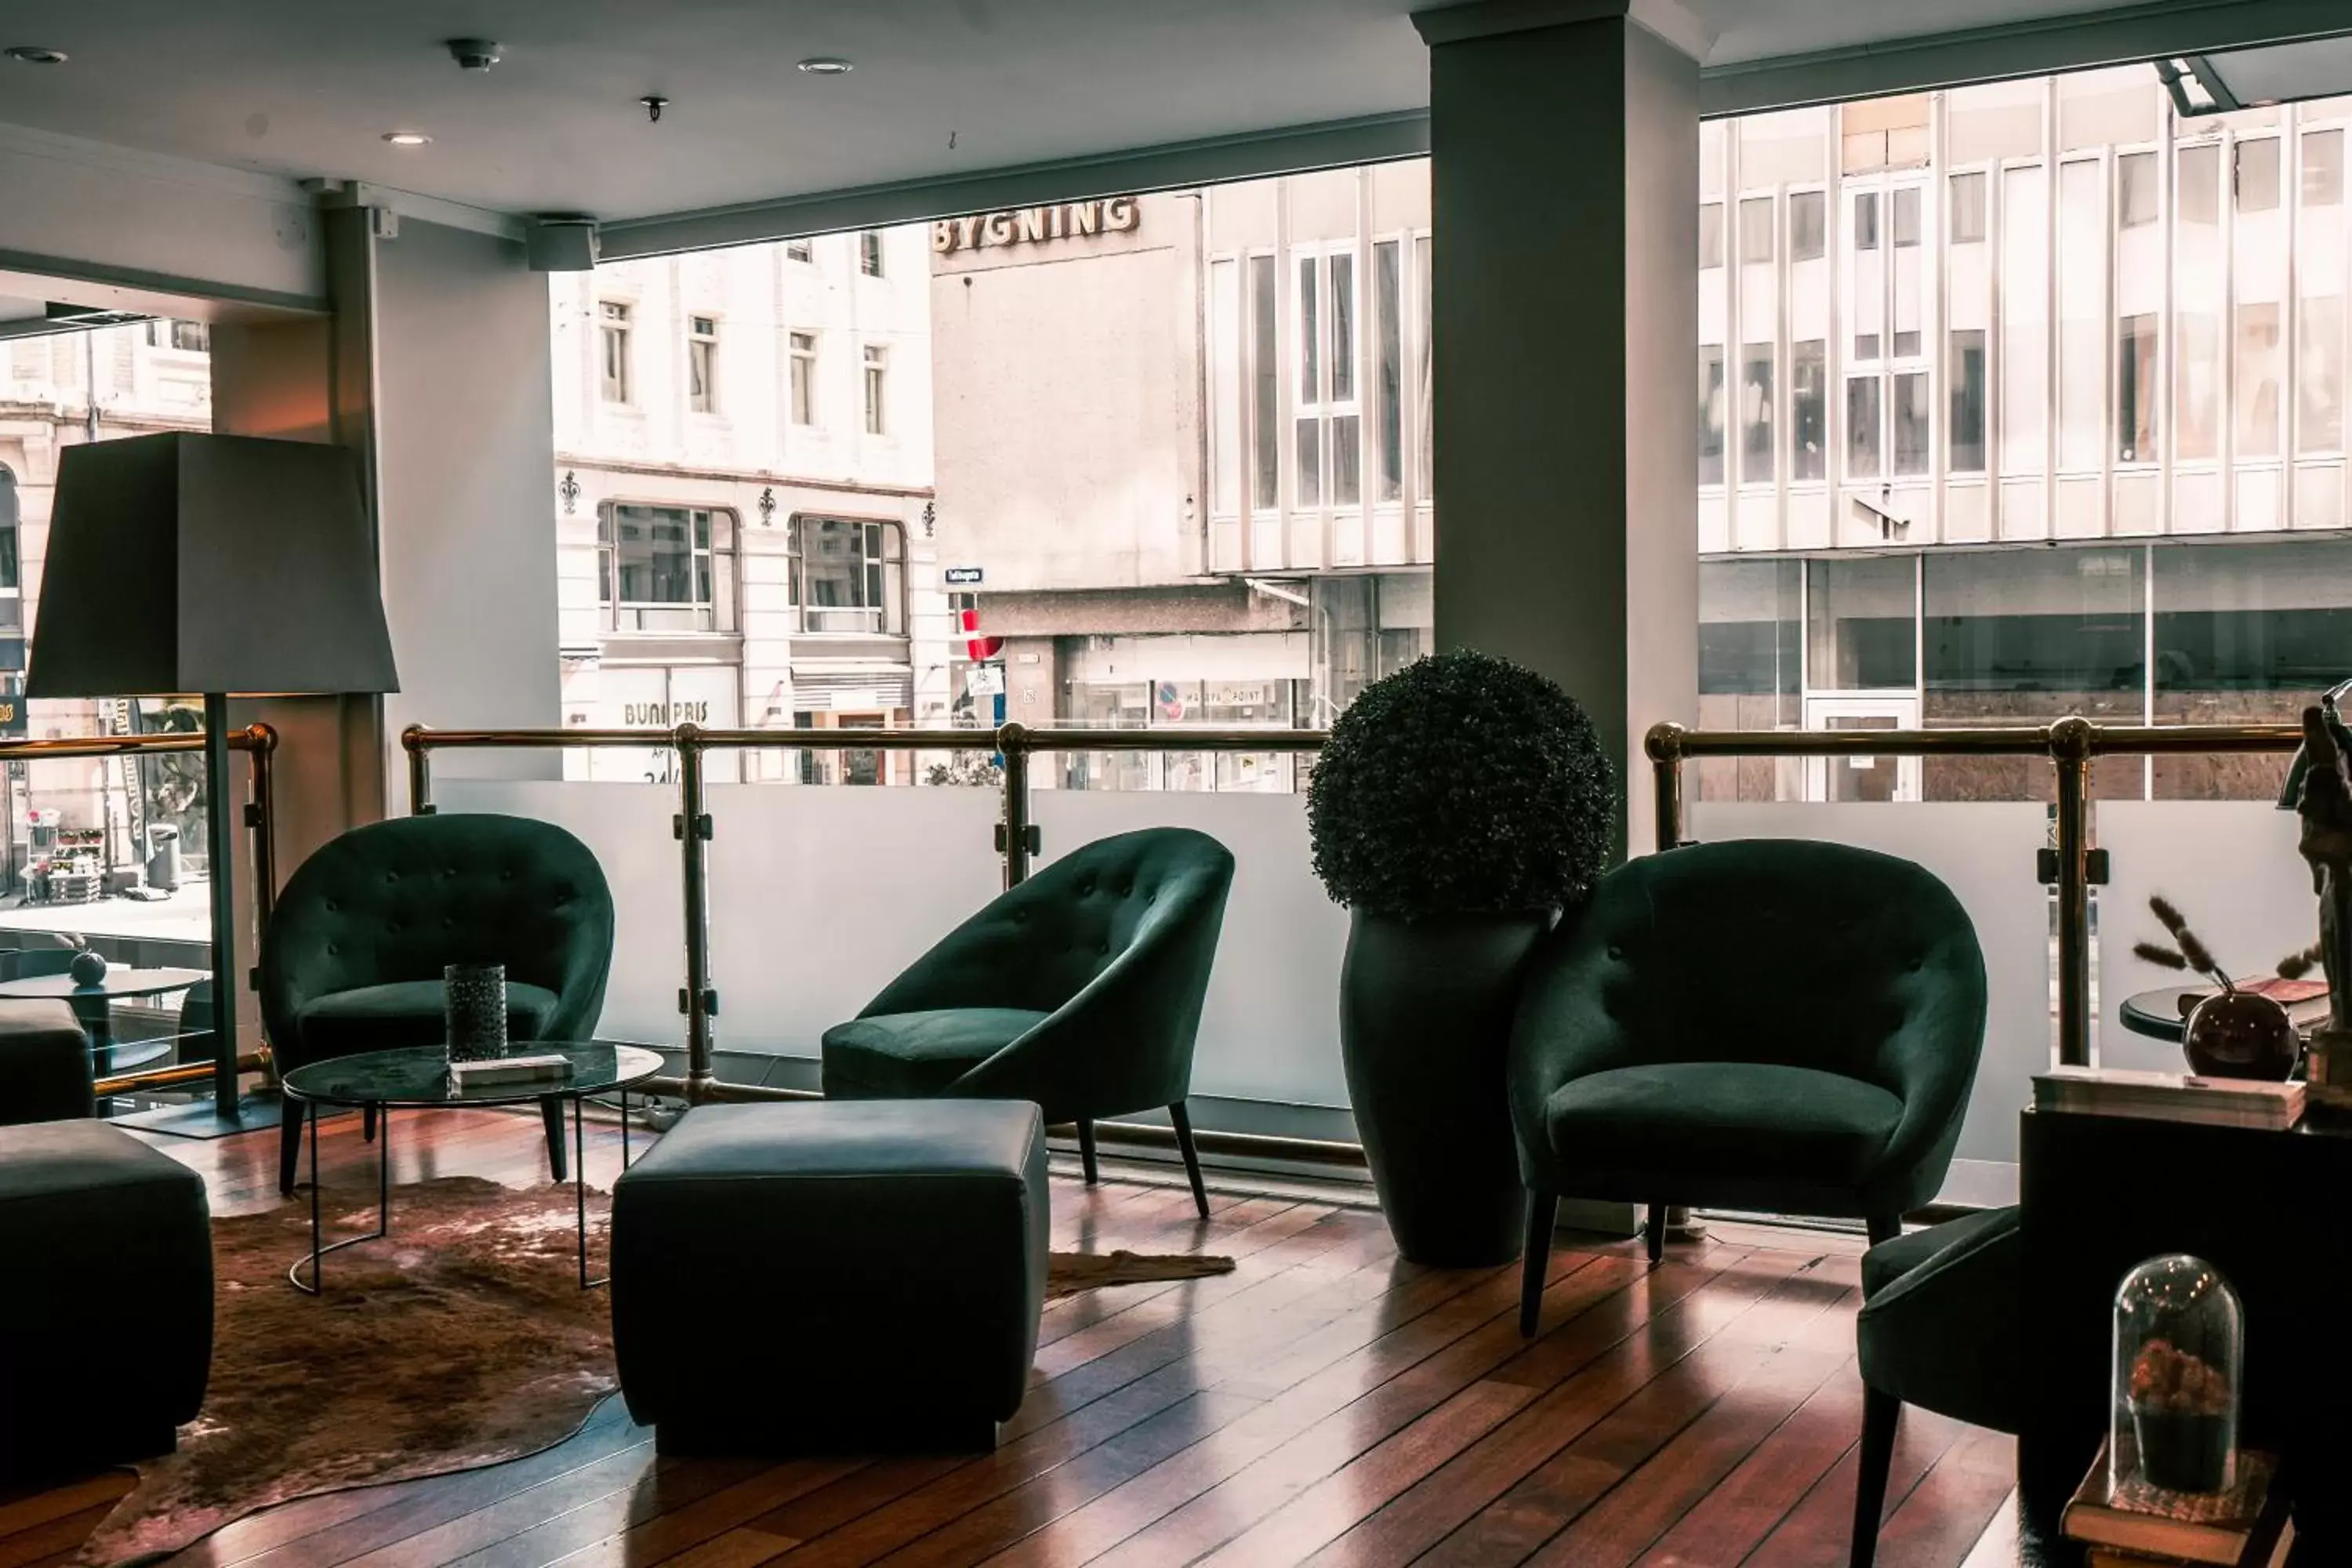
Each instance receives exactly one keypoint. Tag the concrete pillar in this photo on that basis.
(1564, 143)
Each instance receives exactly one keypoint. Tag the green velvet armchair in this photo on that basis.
(352, 958)
(1080, 989)
(1772, 1024)
(1942, 1309)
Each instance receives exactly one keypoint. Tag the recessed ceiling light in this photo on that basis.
(32, 54)
(826, 65)
(406, 138)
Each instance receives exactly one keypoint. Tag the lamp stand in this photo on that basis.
(220, 847)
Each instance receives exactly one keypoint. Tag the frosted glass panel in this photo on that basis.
(628, 827)
(1271, 1029)
(819, 896)
(1985, 854)
(2230, 866)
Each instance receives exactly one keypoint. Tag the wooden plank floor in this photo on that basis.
(1324, 1404)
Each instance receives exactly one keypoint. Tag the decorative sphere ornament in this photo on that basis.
(2239, 1035)
(87, 968)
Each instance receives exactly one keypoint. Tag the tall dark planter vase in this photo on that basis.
(1424, 1020)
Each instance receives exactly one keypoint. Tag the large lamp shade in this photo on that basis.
(227, 564)
(222, 564)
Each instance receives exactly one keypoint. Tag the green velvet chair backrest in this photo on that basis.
(401, 900)
(1115, 941)
(1781, 951)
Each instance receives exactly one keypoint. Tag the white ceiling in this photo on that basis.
(943, 86)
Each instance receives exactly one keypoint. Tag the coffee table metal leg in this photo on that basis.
(319, 1246)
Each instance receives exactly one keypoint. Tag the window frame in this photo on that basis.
(870, 257)
(708, 564)
(616, 353)
(702, 362)
(881, 577)
(874, 381)
(802, 348)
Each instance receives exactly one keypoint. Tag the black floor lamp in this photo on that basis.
(222, 564)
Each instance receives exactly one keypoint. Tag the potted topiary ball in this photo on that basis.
(1458, 807)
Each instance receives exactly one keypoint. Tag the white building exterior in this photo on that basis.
(743, 497)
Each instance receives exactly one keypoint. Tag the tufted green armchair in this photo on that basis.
(1775, 1024)
(352, 958)
(1080, 989)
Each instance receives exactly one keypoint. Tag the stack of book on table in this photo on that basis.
(2140, 1526)
(2169, 1096)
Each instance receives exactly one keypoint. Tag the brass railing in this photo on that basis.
(259, 742)
(1016, 833)
(2071, 745)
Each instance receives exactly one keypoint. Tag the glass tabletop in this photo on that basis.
(121, 981)
(419, 1076)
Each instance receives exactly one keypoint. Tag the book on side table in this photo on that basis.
(2170, 1096)
(549, 1067)
(2140, 1526)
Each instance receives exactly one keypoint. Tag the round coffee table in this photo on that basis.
(416, 1077)
(2158, 1014)
(92, 1006)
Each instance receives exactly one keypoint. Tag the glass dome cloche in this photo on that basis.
(2180, 1351)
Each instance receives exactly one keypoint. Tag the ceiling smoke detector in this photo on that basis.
(654, 103)
(475, 54)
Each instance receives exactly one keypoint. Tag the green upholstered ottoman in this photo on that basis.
(878, 1266)
(104, 1243)
(45, 1066)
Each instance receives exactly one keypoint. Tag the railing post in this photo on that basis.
(1664, 746)
(1013, 833)
(2070, 747)
(261, 824)
(420, 771)
(698, 1001)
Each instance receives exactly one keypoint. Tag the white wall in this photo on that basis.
(463, 454)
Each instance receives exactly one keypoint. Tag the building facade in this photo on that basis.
(58, 390)
(743, 500)
(2016, 401)
(1182, 446)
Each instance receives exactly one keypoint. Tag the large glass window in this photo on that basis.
(1862, 426)
(1388, 369)
(2025, 321)
(1266, 403)
(1710, 414)
(848, 575)
(1862, 614)
(2259, 372)
(2319, 314)
(803, 373)
(1965, 369)
(1913, 423)
(1756, 414)
(2136, 390)
(665, 568)
(1755, 231)
(1224, 388)
(2082, 317)
(2245, 633)
(2023, 638)
(702, 364)
(1808, 225)
(1809, 433)
(1750, 667)
(2198, 274)
(612, 347)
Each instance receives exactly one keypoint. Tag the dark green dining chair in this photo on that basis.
(1942, 1309)
(1777, 1025)
(1080, 989)
(354, 956)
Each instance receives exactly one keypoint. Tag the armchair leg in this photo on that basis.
(367, 1123)
(1087, 1148)
(1653, 1232)
(1543, 1212)
(1879, 1412)
(1885, 1227)
(1184, 1125)
(289, 1146)
(550, 1111)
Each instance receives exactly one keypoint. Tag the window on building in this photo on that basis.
(848, 574)
(1808, 225)
(2258, 380)
(2323, 168)
(1865, 220)
(1909, 303)
(1966, 424)
(1756, 414)
(2198, 298)
(1710, 414)
(1862, 616)
(1224, 388)
(702, 364)
(1969, 222)
(799, 250)
(1327, 431)
(1266, 492)
(2196, 198)
(877, 372)
(1755, 231)
(2082, 327)
(1426, 380)
(1388, 370)
(1808, 426)
(2136, 390)
(1710, 235)
(870, 252)
(2135, 190)
(1863, 438)
(2319, 376)
(2025, 321)
(2258, 175)
(1914, 423)
(613, 337)
(802, 372)
(1306, 440)
(666, 568)
(188, 337)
